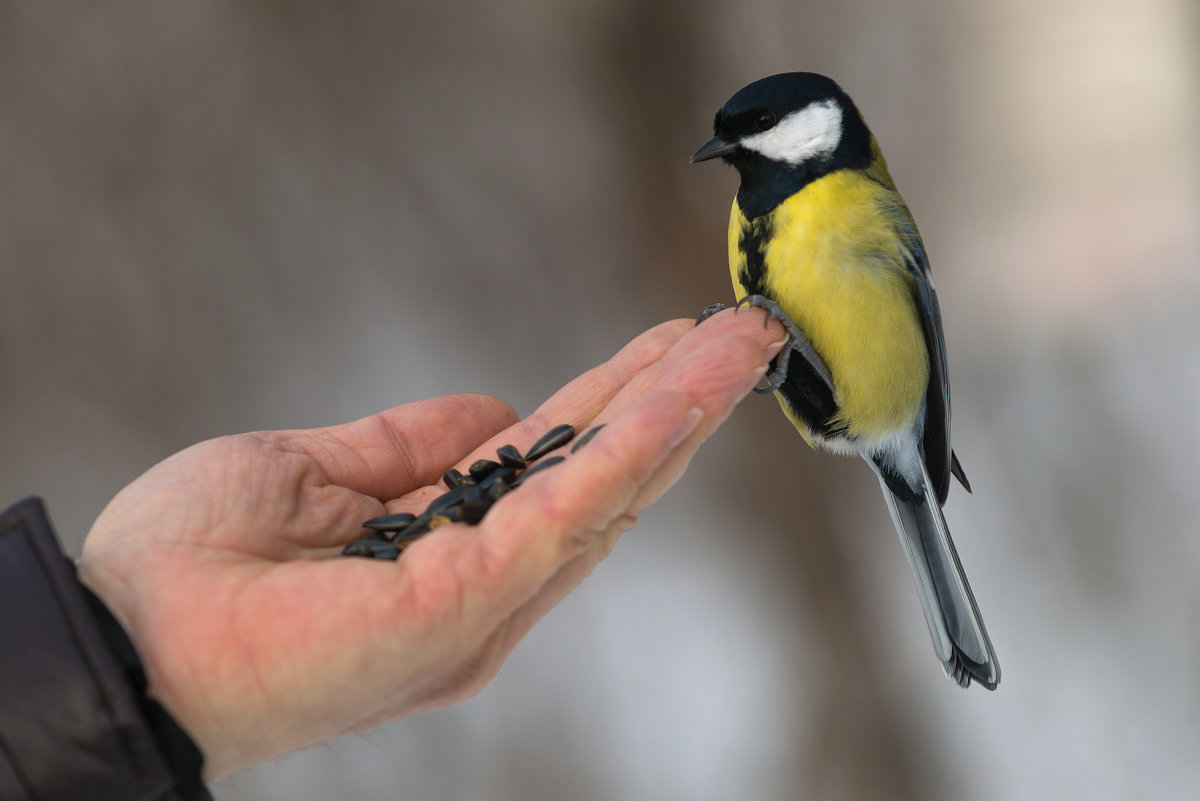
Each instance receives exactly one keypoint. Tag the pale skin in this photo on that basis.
(219, 561)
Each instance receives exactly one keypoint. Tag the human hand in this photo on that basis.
(218, 561)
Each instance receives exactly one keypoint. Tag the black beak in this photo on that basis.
(713, 148)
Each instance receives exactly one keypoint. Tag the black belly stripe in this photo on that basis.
(752, 244)
(804, 392)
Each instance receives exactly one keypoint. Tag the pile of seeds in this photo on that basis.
(468, 497)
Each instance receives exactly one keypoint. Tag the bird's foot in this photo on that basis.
(796, 342)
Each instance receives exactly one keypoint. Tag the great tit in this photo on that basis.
(819, 232)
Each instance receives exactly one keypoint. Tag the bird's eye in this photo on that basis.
(765, 121)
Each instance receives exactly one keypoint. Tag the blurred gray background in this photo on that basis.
(224, 216)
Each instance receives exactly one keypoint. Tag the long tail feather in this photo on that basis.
(959, 636)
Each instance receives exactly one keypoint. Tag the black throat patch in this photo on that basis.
(766, 183)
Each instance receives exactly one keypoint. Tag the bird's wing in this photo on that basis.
(939, 458)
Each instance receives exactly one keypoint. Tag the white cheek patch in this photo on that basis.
(807, 133)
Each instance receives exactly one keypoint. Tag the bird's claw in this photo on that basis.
(796, 342)
(709, 311)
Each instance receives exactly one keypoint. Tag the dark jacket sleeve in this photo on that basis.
(75, 720)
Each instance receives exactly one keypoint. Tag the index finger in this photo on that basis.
(530, 533)
(595, 396)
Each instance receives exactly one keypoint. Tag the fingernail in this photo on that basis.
(686, 425)
(757, 374)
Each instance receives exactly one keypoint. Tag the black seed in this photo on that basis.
(453, 478)
(445, 501)
(360, 548)
(392, 553)
(396, 522)
(554, 438)
(482, 469)
(510, 457)
(473, 514)
(473, 495)
(587, 437)
(418, 528)
(374, 549)
(475, 505)
(542, 465)
(497, 488)
(505, 474)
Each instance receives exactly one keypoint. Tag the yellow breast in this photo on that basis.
(834, 261)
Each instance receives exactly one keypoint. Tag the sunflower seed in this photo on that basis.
(554, 438)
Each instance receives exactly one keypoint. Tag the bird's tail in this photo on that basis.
(959, 636)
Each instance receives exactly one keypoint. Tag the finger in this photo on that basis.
(575, 404)
(613, 386)
(528, 535)
(729, 328)
(559, 586)
(392, 452)
(478, 667)
(579, 401)
(708, 368)
(635, 367)
(714, 370)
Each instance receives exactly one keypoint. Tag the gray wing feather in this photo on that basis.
(939, 458)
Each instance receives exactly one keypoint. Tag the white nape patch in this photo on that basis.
(804, 134)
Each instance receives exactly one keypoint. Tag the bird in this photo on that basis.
(820, 237)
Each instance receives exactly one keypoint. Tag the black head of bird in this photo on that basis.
(785, 131)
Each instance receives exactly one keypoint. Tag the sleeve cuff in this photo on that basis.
(75, 720)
